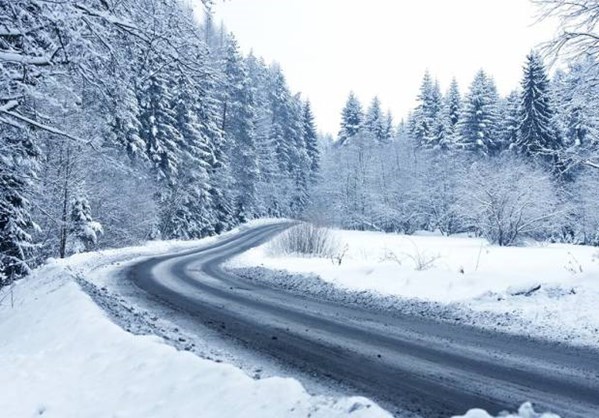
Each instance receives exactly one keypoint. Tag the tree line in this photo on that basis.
(506, 168)
(122, 121)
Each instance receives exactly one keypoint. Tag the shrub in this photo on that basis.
(307, 240)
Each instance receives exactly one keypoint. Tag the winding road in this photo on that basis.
(403, 362)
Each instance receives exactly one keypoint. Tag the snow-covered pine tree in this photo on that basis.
(221, 187)
(268, 181)
(510, 120)
(452, 109)
(374, 122)
(352, 119)
(479, 120)
(539, 137)
(388, 130)
(83, 230)
(188, 208)
(18, 155)
(300, 160)
(281, 109)
(286, 135)
(426, 120)
(311, 140)
(239, 118)
(158, 125)
(124, 120)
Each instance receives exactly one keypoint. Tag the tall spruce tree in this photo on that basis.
(301, 161)
(451, 112)
(538, 133)
(352, 119)
(311, 140)
(388, 131)
(479, 121)
(374, 122)
(188, 211)
(18, 156)
(426, 120)
(159, 132)
(510, 120)
(239, 111)
(268, 181)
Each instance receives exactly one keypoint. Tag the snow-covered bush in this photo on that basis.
(505, 199)
(84, 231)
(308, 240)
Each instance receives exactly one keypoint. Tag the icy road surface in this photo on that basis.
(431, 368)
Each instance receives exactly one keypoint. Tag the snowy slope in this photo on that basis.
(465, 273)
(60, 356)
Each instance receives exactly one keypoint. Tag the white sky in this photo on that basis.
(383, 47)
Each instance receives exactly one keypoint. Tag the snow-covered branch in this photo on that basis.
(17, 58)
(41, 126)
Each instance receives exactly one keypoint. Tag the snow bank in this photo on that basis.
(525, 411)
(60, 357)
(551, 288)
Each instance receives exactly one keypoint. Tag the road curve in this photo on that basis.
(401, 361)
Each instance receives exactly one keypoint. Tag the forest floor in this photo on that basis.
(548, 291)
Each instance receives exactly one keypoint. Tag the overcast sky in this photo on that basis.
(383, 47)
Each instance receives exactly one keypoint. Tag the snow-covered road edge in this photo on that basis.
(548, 292)
(62, 356)
(314, 286)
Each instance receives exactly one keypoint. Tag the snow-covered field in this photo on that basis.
(550, 291)
(60, 356)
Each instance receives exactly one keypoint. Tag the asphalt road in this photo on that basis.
(401, 361)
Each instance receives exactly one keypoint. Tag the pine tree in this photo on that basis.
(451, 112)
(427, 119)
(454, 103)
(221, 186)
(125, 126)
(351, 119)
(374, 122)
(269, 178)
(538, 132)
(158, 126)
(282, 133)
(479, 121)
(388, 131)
(300, 159)
(510, 120)
(311, 140)
(83, 230)
(239, 127)
(187, 210)
(18, 155)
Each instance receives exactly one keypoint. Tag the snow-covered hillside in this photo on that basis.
(61, 356)
(549, 290)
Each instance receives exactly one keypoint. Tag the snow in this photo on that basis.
(525, 411)
(467, 273)
(61, 356)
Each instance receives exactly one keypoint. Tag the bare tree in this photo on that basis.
(505, 199)
(578, 34)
